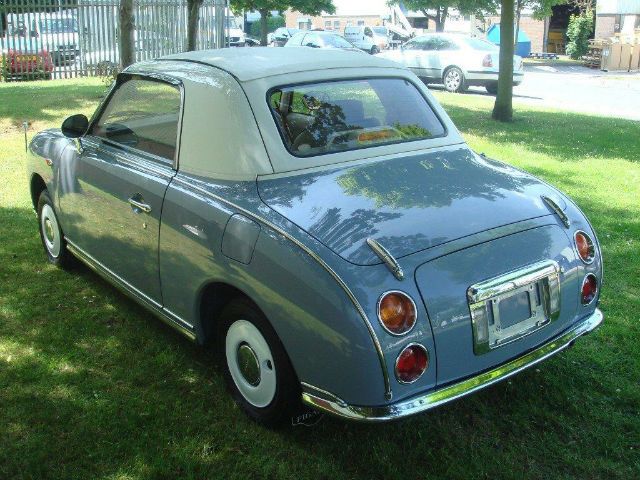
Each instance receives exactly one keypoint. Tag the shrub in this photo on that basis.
(578, 33)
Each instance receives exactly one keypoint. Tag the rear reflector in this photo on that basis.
(411, 363)
(589, 289)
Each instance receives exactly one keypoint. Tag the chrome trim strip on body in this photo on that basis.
(325, 401)
(557, 210)
(376, 342)
(165, 315)
(388, 259)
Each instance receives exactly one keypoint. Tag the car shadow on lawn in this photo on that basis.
(93, 385)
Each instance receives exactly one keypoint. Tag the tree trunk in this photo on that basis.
(264, 26)
(518, 13)
(442, 17)
(503, 108)
(125, 43)
(192, 25)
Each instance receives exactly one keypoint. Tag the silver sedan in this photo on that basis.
(454, 60)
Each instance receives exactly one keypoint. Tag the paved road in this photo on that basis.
(580, 89)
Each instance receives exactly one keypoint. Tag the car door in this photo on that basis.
(429, 59)
(112, 190)
(448, 53)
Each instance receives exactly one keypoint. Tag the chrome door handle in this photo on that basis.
(139, 205)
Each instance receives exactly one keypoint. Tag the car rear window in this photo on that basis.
(329, 117)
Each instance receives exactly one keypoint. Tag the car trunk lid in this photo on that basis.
(408, 203)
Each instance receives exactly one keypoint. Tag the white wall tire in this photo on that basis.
(250, 363)
(51, 233)
(267, 388)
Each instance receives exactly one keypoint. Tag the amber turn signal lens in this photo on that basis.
(411, 363)
(397, 312)
(585, 247)
(589, 289)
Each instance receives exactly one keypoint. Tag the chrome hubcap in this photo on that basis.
(50, 231)
(248, 365)
(453, 80)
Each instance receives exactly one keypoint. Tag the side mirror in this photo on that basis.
(75, 126)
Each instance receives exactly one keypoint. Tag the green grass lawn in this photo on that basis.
(92, 386)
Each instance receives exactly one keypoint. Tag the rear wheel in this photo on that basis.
(256, 368)
(55, 246)
(453, 80)
(492, 88)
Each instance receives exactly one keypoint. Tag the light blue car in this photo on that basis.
(315, 216)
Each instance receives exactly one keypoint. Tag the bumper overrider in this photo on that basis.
(327, 402)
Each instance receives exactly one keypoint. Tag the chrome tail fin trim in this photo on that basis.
(388, 259)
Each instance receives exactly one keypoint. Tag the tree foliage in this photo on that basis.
(272, 24)
(265, 7)
(438, 10)
(578, 33)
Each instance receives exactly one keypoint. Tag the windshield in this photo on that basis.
(380, 30)
(328, 117)
(336, 41)
(480, 44)
(59, 25)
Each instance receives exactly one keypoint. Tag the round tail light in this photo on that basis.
(585, 247)
(589, 289)
(411, 363)
(397, 312)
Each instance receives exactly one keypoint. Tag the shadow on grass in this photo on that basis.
(551, 133)
(46, 101)
(92, 385)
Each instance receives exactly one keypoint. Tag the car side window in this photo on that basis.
(368, 32)
(312, 39)
(444, 44)
(142, 114)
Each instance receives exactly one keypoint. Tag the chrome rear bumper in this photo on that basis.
(329, 403)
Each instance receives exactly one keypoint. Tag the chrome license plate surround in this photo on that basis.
(540, 280)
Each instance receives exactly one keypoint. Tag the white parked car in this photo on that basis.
(364, 38)
(382, 35)
(317, 39)
(455, 60)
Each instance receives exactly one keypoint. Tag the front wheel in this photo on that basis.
(53, 241)
(374, 50)
(256, 368)
(454, 80)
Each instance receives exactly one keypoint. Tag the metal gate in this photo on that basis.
(70, 38)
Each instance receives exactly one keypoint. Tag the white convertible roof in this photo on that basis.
(251, 63)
